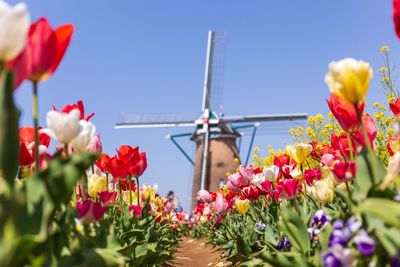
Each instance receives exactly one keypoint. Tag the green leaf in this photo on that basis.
(294, 228)
(383, 209)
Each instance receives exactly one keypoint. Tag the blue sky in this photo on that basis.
(149, 56)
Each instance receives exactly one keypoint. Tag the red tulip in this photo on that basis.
(125, 185)
(27, 136)
(395, 106)
(126, 152)
(118, 168)
(136, 210)
(370, 128)
(103, 163)
(393, 145)
(345, 113)
(341, 144)
(138, 165)
(264, 188)
(320, 149)
(25, 155)
(250, 192)
(344, 171)
(396, 16)
(79, 106)
(108, 198)
(311, 175)
(288, 188)
(90, 211)
(43, 53)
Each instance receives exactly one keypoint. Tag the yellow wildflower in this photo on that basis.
(384, 49)
(383, 70)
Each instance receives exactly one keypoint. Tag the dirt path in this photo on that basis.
(194, 253)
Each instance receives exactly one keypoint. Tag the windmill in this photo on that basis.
(215, 135)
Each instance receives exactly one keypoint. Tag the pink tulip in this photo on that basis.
(221, 204)
(108, 198)
(204, 196)
(246, 172)
(136, 210)
(95, 144)
(90, 211)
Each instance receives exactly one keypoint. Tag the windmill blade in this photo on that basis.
(128, 120)
(265, 118)
(214, 71)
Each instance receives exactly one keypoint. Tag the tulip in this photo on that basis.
(204, 196)
(349, 79)
(242, 205)
(299, 151)
(221, 204)
(96, 184)
(103, 163)
(320, 149)
(138, 165)
(63, 127)
(95, 144)
(311, 175)
(136, 210)
(393, 145)
(85, 136)
(341, 144)
(396, 16)
(395, 106)
(40, 58)
(344, 171)
(250, 192)
(258, 179)
(264, 188)
(27, 135)
(44, 51)
(271, 172)
(25, 155)
(149, 192)
(288, 188)
(129, 198)
(246, 172)
(90, 211)
(108, 198)
(235, 181)
(345, 113)
(14, 23)
(118, 168)
(79, 106)
(393, 171)
(323, 191)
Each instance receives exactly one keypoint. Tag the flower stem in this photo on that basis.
(130, 190)
(36, 124)
(350, 147)
(138, 190)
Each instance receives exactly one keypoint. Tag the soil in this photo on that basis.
(195, 253)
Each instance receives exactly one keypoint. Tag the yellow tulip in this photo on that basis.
(349, 79)
(323, 191)
(299, 151)
(96, 184)
(149, 192)
(242, 205)
(126, 195)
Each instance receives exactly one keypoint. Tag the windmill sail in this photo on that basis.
(129, 120)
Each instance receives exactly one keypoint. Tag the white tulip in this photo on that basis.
(258, 178)
(271, 172)
(82, 141)
(63, 127)
(14, 25)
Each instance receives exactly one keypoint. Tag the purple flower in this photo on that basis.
(320, 219)
(313, 234)
(284, 244)
(337, 256)
(395, 261)
(338, 236)
(365, 244)
(260, 226)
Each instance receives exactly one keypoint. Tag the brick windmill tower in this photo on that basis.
(215, 135)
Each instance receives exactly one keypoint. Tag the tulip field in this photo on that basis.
(331, 198)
